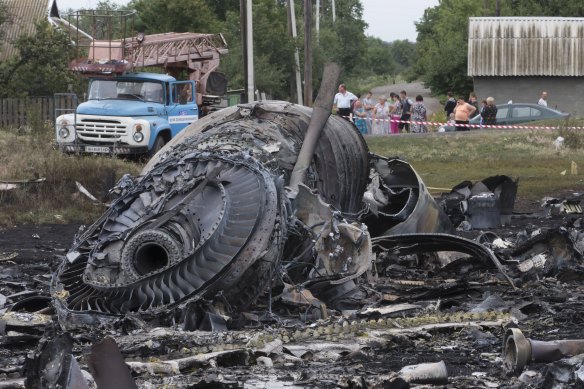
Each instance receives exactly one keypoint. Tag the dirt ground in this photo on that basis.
(412, 89)
(544, 309)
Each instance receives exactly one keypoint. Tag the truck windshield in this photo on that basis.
(126, 90)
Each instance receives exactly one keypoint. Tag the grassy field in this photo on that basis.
(25, 156)
(446, 159)
(442, 160)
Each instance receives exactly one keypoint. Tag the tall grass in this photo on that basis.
(445, 159)
(441, 159)
(30, 155)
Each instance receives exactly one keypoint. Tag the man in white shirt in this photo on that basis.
(343, 101)
(543, 99)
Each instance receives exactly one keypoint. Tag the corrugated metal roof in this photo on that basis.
(526, 46)
(23, 16)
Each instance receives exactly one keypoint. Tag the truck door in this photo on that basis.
(182, 108)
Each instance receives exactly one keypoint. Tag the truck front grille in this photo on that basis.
(104, 130)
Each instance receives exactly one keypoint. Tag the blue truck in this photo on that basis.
(128, 112)
(131, 114)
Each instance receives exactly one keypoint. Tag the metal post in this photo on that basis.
(308, 53)
(334, 11)
(249, 43)
(292, 20)
(242, 25)
(317, 21)
(320, 115)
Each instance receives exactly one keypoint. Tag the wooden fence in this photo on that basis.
(35, 110)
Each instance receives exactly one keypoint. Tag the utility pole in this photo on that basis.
(334, 12)
(317, 21)
(246, 23)
(498, 8)
(308, 53)
(292, 31)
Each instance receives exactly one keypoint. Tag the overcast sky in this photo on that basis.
(388, 19)
(394, 19)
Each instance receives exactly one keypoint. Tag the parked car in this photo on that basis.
(516, 113)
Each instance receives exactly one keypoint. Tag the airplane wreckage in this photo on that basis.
(357, 258)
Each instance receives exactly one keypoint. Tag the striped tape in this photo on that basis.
(464, 125)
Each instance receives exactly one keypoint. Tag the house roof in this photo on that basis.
(526, 46)
(23, 14)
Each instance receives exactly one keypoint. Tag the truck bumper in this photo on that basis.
(109, 150)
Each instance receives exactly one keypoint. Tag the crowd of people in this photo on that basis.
(401, 114)
(382, 117)
(460, 111)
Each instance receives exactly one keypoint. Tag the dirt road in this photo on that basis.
(412, 89)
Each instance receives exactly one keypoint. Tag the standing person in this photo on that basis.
(358, 96)
(368, 105)
(406, 115)
(381, 117)
(472, 100)
(543, 99)
(419, 114)
(462, 112)
(489, 113)
(359, 116)
(395, 113)
(450, 104)
(343, 101)
(483, 106)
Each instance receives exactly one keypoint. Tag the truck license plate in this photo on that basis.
(97, 149)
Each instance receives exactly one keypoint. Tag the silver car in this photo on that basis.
(516, 113)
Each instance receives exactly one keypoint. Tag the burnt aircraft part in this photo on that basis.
(53, 364)
(108, 367)
(209, 214)
(556, 248)
(192, 226)
(519, 351)
(406, 244)
(399, 201)
(273, 132)
(485, 204)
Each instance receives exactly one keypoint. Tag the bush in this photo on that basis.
(573, 137)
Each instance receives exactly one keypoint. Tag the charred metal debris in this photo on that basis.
(211, 222)
(357, 264)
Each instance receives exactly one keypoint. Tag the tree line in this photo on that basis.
(438, 57)
(442, 41)
(41, 67)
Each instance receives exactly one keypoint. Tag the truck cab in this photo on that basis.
(131, 114)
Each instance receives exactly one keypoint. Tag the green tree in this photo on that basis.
(565, 8)
(4, 16)
(158, 16)
(344, 40)
(403, 53)
(442, 45)
(221, 7)
(273, 49)
(378, 57)
(41, 68)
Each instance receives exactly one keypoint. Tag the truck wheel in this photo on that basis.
(158, 144)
